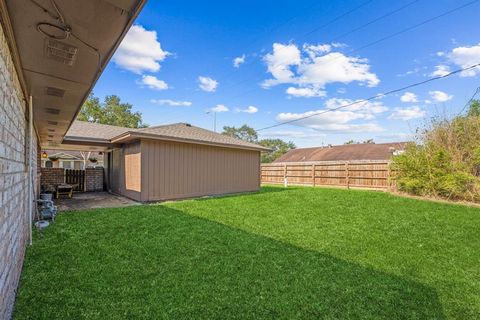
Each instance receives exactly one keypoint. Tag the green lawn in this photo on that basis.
(296, 253)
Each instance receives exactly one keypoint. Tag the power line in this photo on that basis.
(415, 26)
(337, 18)
(228, 75)
(390, 13)
(387, 37)
(372, 97)
(469, 101)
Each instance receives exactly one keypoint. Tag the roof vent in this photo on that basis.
(188, 124)
(56, 92)
(52, 123)
(60, 51)
(52, 111)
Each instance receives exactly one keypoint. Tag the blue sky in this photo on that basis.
(295, 58)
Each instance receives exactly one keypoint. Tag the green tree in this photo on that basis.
(112, 111)
(474, 109)
(278, 146)
(244, 132)
(350, 142)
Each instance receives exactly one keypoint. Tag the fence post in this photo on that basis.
(389, 183)
(285, 181)
(313, 175)
(347, 175)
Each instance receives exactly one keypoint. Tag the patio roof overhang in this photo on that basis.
(60, 73)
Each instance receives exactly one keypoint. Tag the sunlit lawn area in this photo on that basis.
(296, 253)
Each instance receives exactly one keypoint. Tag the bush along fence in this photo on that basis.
(349, 174)
(90, 179)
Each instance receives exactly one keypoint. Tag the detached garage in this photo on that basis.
(172, 161)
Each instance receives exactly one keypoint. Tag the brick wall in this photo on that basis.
(14, 220)
(94, 179)
(51, 177)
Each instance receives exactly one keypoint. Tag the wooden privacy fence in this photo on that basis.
(357, 174)
(76, 178)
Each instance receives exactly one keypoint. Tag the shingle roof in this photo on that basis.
(95, 131)
(178, 131)
(348, 152)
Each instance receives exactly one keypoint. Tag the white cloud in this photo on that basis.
(407, 113)
(292, 134)
(173, 103)
(154, 83)
(207, 84)
(279, 63)
(440, 96)
(409, 97)
(140, 51)
(315, 50)
(342, 120)
(440, 71)
(238, 61)
(305, 92)
(249, 109)
(316, 67)
(219, 108)
(466, 57)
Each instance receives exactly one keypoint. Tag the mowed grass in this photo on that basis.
(296, 253)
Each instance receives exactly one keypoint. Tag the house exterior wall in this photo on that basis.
(51, 177)
(14, 156)
(173, 170)
(125, 174)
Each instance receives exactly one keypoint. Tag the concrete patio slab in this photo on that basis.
(93, 200)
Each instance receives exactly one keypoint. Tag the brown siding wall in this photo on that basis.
(172, 170)
(126, 171)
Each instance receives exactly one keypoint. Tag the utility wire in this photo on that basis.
(337, 18)
(415, 26)
(469, 101)
(228, 75)
(390, 13)
(386, 37)
(372, 97)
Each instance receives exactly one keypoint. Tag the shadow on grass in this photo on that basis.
(157, 262)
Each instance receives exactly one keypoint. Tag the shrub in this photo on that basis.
(445, 161)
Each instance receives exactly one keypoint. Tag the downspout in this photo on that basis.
(30, 168)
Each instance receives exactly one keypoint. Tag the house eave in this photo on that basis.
(101, 24)
(132, 136)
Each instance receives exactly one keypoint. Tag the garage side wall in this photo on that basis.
(172, 170)
(125, 175)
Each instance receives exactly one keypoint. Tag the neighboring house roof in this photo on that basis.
(182, 132)
(348, 152)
